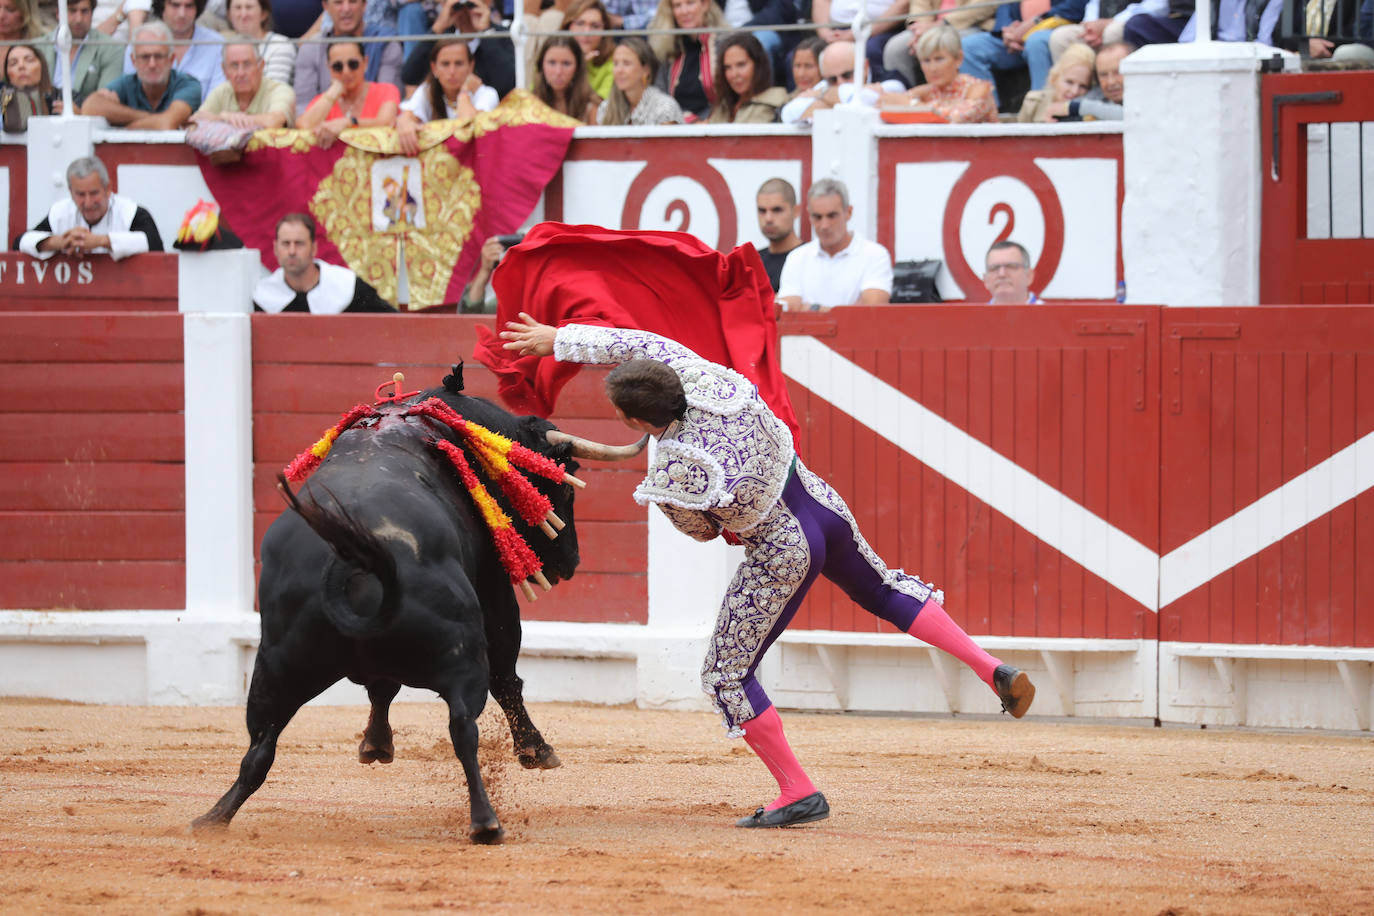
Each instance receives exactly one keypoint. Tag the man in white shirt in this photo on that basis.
(1008, 274)
(836, 267)
(92, 220)
(303, 283)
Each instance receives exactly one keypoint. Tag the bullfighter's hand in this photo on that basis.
(528, 337)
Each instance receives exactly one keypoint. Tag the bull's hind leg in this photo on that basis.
(376, 746)
(503, 647)
(272, 701)
(485, 828)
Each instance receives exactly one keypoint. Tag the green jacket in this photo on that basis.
(100, 62)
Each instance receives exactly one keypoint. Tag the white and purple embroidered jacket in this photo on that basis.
(724, 464)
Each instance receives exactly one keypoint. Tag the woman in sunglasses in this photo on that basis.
(350, 100)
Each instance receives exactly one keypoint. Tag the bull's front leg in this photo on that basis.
(377, 746)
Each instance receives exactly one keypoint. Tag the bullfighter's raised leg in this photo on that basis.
(376, 746)
(503, 648)
(273, 698)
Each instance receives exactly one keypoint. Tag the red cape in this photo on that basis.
(719, 306)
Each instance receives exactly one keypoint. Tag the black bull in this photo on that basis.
(385, 573)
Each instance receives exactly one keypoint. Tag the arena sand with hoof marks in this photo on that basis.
(929, 815)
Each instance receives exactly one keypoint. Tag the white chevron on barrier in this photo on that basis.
(1082, 536)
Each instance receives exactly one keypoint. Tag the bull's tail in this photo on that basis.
(361, 590)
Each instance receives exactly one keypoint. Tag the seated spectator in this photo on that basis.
(838, 87)
(685, 60)
(156, 96)
(313, 73)
(247, 98)
(591, 16)
(18, 21)
(1070, 78)
(92, 220)
(954, 96)
(493, 55)
(1102, 102)
(747, 93)
(446, 85)
(630, 14)
(844, 11)
(253, 19)
(303, 283)
(777, 205)
(350, 100)
(899, 53)
(201, 61)
(836, 267)
(27, 91)
(1232, 20)
(1103, 23)
(1013, 43)
(1328, 17)
(1008, 274)
(806, 65)
(96, 59)
(634, 98)
(755, 13)
(560, 80)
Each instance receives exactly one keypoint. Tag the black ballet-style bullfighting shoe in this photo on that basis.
(802, 811)
(1014, 689)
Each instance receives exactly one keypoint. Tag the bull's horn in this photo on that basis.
(542, 580)
(595, 451)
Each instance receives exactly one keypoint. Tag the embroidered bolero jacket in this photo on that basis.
(724, 464)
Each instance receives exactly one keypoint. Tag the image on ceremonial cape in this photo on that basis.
(397, 195)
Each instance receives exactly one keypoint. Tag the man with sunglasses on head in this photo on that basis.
(384, 58)
(1008, 274)
(156, 96)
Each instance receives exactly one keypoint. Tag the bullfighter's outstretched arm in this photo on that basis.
(590, 344)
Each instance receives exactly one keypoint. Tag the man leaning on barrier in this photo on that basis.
(92, 220)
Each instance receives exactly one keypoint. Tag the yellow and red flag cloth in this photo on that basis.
(472, 179)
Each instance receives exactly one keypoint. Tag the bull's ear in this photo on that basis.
(453, 382)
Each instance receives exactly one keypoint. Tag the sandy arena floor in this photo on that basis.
(929, 815)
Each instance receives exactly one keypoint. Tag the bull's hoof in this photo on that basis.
(540, 758)
(489, 835)
(375, 753)
(208, 823)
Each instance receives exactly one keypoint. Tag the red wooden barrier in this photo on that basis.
(91, 504)
(14, 158)
(309, 369)
(143, 283)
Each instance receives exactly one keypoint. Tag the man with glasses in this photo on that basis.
(156, 96)
(200, 60)
(384, 58)
(246, 99)
(1008, 274)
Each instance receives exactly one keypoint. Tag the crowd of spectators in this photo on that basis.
(156, 63)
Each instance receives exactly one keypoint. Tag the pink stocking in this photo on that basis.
(764, 735)
(935, 627)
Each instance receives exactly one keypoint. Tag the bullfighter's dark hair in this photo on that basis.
(302, 218)
(647, 390)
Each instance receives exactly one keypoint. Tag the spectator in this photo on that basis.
(156, 96)
(844, 11)
(630, 14)
(96, 59)
(591, 16)
(303, 283)
(754, 13)
(686, 59)
(1102, 103)
(954, 96)
(493, 55)
(1070, 78)
(27, 91)
(747, 93)
(92, 220)
(201, 61)
(477, 296)
(253, 19)
(838, 87)
(806, 65)
(899, 54)
(634, 99)
(1014, 44)
(1328, 17)
(350, 100)
(777, 203)
(313, 73)
(247, 98)
(836, 267)
(560, 80)
(1232, 20)
(1103, 23)
(18, 21)
(446, 85)
(1008, 274)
